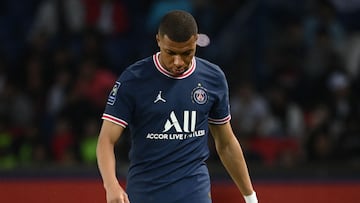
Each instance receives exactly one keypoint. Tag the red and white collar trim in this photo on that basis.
(167, 73)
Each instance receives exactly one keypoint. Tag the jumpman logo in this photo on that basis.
(159, 98)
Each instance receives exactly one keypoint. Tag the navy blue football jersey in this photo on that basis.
(168, 120)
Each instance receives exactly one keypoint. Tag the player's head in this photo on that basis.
(178, 25)
(176, 38)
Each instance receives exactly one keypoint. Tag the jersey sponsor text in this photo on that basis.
(175, 136)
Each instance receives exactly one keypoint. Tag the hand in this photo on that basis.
(116, 194)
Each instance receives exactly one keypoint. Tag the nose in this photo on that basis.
(178, 61)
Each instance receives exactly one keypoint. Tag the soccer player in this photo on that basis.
(170, 102)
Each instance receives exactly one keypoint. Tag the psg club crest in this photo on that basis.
(112, 96)
(199, 95)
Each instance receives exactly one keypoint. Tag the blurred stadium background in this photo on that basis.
(293, 69)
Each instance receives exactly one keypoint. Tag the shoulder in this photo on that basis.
(138, 70)
(209, 68)
(204, 62)
(212, 67)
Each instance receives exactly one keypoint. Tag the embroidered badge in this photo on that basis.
(112, 96)
(199, 94)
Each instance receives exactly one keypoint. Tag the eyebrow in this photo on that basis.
(181, 53)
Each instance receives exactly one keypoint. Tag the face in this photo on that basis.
(176, 57)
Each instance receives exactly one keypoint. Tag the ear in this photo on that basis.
(158, 39)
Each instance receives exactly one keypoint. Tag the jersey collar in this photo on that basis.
(167, 73)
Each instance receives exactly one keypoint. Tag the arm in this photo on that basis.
(232, 157)
(109, 134)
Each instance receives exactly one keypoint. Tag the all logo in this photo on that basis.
(189, 122)
(184, 130)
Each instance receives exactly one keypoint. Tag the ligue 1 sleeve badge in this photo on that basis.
(199, 95)
(112, 96)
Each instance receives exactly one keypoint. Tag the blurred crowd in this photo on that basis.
(292, 67)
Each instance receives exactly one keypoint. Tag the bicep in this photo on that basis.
(222, 134)
(110, 131)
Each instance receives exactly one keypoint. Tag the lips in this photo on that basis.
(179, 71)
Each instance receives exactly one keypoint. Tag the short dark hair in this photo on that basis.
(178, 25)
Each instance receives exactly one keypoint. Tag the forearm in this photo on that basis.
(109, 134)
(233, 160)
(106, 162)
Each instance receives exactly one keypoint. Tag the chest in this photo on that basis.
(158, 98)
